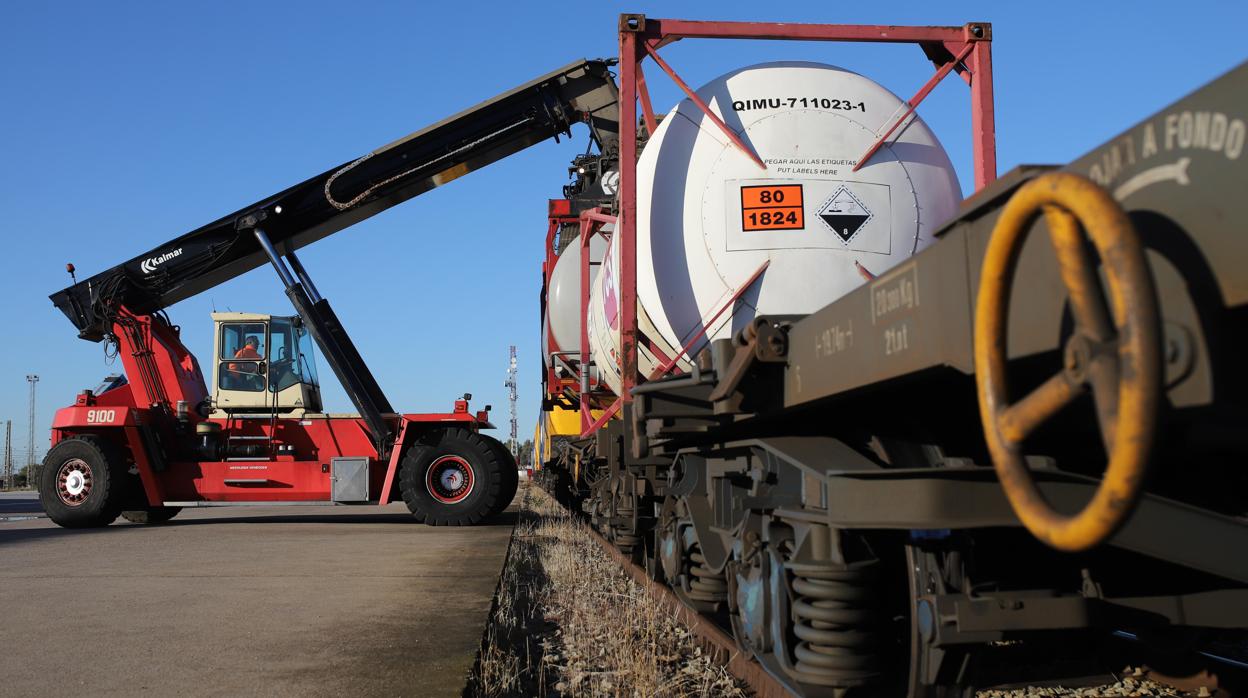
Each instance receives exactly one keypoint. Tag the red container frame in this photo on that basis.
(966, 50)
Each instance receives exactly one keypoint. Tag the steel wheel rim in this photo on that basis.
(74, 482)
(450, 479)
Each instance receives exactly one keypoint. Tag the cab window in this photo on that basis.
(235, 336)
(307, 355)
(243, 350)
(285, 364)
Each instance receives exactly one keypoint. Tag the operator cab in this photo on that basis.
(263, 363)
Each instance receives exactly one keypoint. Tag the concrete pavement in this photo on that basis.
(246, 601)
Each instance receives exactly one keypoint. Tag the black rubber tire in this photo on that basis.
(109, 481)
(150, 515)
(511, 475)
(487, 472)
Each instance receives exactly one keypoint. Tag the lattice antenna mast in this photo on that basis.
(30, 436)
(513, 443)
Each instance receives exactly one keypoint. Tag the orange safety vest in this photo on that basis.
(245, 353)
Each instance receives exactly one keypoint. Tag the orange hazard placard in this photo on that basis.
(772, 207)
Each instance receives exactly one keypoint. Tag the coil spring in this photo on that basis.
(623, 536)
(704, 583)
(836, 617)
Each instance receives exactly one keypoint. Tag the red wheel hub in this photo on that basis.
(449, 479)
(74, 482)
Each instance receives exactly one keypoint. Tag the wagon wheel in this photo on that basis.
(1118, 356)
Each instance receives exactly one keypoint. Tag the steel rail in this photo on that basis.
(720, 646)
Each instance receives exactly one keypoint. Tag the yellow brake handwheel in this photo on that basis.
(1115, 351)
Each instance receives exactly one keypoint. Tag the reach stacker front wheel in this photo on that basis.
(83, 483)
(511, 475)
(453, 478)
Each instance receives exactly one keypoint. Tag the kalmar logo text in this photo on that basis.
(149, 265)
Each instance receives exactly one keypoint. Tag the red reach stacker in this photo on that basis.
(161, 438)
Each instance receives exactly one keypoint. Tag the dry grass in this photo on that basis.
(568, 621)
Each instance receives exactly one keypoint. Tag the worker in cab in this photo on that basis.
(245, 376)
(250, 349)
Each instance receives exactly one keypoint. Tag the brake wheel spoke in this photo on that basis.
(1103, 378)
(1087, 301)
(1020, 419)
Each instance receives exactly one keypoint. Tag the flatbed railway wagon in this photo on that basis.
(902, 443)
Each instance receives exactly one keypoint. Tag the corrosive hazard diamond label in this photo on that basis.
(844, 214)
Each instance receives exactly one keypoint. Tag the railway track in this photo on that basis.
(565, 621)
(1209, 675)
(709, 636)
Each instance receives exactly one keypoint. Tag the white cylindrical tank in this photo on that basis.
(708, 216)
(563, 296)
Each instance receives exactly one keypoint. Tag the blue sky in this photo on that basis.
(126, 124)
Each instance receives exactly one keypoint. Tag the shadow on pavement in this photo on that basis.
(508, 518)
(20, 505)
(512, 660)
(9, 536)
